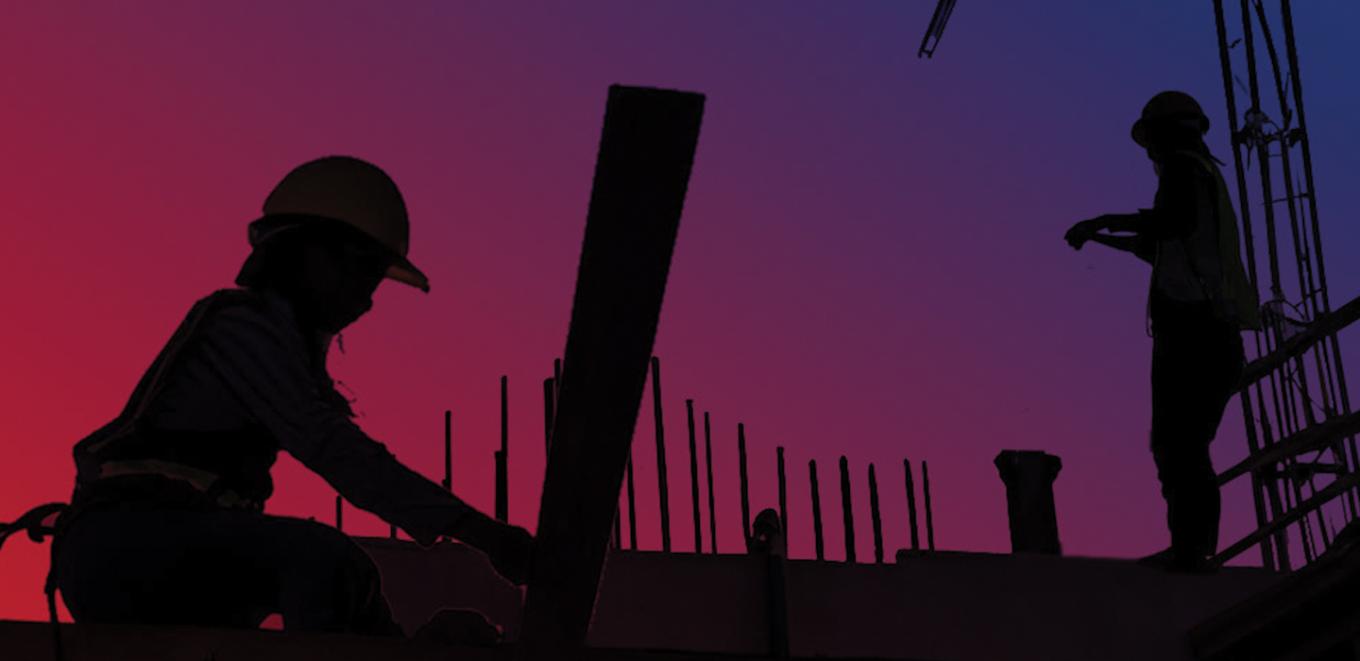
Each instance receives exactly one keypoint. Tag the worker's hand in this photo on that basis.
(1082, 232)
(510, 548)
(513, 555)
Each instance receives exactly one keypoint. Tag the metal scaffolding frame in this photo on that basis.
(1295, 404)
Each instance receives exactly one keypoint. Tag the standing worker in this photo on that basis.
(166, 524)
(1199, 302)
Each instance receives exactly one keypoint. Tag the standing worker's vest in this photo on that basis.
(1232, 294)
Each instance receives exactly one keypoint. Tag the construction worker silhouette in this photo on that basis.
(1199, 301)
(166, 524)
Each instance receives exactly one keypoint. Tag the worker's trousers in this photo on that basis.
(1197, 361)
(221, 568)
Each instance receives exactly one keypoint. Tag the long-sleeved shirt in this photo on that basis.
(240, 381)
(1183, 226)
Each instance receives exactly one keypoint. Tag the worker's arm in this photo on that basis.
(262, 362)
(1139, 246)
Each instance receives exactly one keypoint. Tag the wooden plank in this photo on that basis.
(641, 175)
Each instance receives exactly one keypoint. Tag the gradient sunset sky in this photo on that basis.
(870, 260)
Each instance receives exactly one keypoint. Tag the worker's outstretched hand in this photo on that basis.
(510, 548)
(1080, 233)
(514, 556)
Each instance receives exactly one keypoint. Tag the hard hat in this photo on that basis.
(1169, 107)
(351, 191)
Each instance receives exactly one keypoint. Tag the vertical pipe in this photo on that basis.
(816, 509)
(745, 485)
(930, 516)
(712, 502)
(847, 511)
(448, 450)
(874, 515)
(339, 513)
(783, 492)
(662, 489)
(694, 479)
(632, 506)
(911, 506)
(503, 457)
(548, 397)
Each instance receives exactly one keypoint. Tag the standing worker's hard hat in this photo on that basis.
(1166, 109)
(351, 191)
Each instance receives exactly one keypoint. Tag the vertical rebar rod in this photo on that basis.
(503, 457)
(745, 485)
(847, 511)
(816, 509)
(1262, 155)
(694, 478)
(1263, 167)
(874, 516)
(783, 492)
(502, 502)
(549, 395)
(911, 506)
(1244, 207)
(1291, 52)
(930, 515)
(712, 501)
(448, 450)
(392, 531)
(663, 490)
(339, 513)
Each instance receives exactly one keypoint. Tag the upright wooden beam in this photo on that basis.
(646, 154)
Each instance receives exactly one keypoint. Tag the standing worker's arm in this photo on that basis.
(262, 362)
(1139, 246)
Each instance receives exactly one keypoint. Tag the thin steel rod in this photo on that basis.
(874, 515)
(783, 491)
(503, 458)
(745, 484)
(694, 479)
(712, 502)
(663, 491)
(448, 450)
(1262, 155)
(339, 513)
(911, 506)
(816, 509)
(502, 501)
(930, 515)
(847, 511)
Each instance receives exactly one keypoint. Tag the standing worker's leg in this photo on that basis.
(1193, 380)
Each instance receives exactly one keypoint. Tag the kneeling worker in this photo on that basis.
(166, 524)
